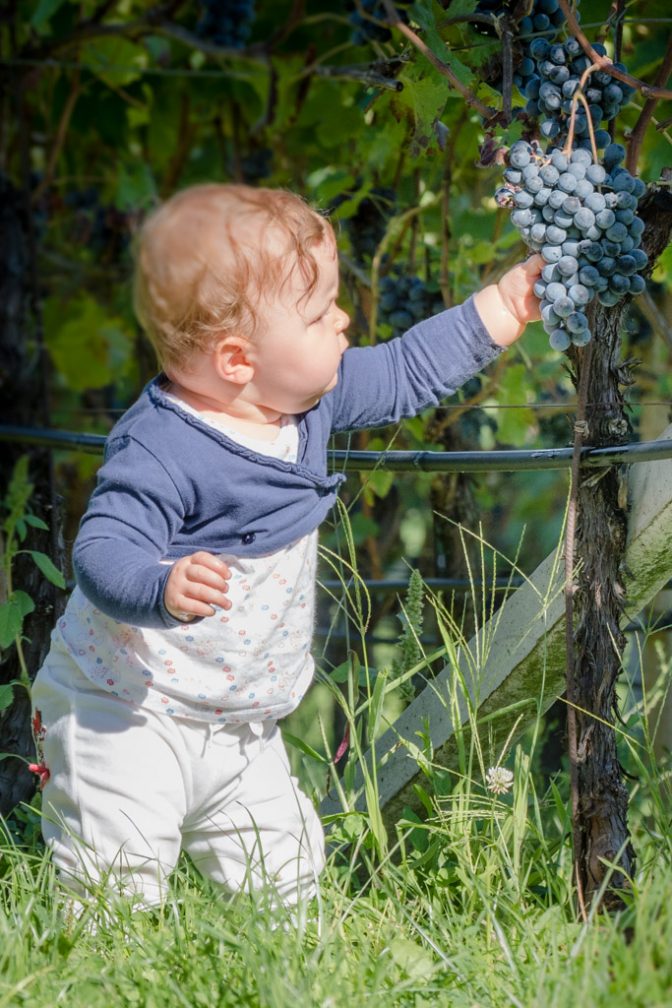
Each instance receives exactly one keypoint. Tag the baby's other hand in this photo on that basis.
(517, 289)
(195, 585)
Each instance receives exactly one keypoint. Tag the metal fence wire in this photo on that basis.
(504, 460)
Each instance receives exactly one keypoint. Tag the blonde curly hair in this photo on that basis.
(207, 257)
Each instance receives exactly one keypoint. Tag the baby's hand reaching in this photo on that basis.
(506, 307)
(195, 584)
(516, 289)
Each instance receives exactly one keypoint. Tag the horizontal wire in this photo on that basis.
(502, 460)
(465, 407)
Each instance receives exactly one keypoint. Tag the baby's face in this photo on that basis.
(299, 342)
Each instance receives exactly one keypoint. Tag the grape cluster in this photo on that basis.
(545, 15)
(581, 216)
(227, 24)
(404, 300)
(550, 90)
(367, 225)
(256, 164)
(102, 229)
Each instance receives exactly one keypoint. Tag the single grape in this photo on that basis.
(567, 265)
(640, 257)
(577, 322)
(519, 154)
(605, 219)
(563, 307)
(579, 294)
(619, 283)
(613, 155)
(555, 290)
(584, 218)
(559, 339)
(551, 253)
(581, 338)
(589, 276)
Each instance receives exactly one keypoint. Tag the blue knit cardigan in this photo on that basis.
(171, 484)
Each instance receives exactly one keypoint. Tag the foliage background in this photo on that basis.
(110, 106)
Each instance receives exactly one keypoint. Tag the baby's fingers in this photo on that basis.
(212, 562)
(203, 585)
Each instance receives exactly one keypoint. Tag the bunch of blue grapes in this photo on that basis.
(544, 16)
(367, 225)
(227, 23)
(256, 164)
(582, 217)
(363, 18)
(555, 82)
(405, 300)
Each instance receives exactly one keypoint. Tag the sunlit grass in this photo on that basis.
(468, 904)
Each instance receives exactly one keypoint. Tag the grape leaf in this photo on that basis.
(44, 12)
(6, 700)
(514, 424)
(11, 622)
(89, 347)
(50, 571)
(115, 60)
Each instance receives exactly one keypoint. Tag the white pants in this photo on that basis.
(129, 788)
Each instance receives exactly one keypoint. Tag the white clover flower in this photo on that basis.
(499, 780)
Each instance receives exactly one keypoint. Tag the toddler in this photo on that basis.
(188, 635)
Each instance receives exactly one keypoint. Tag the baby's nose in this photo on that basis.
(343, 320)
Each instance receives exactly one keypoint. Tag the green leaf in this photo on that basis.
(341, 672)
(24, 602)
(115, 60)
(379, 482)
(135, 186)
(50, 571)
(308, 750)
(35, 522)
(11, 622)
(327, 182)
(44, 12)
(89, 347)
(514, 423)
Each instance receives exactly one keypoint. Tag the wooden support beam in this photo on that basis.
(521, 669)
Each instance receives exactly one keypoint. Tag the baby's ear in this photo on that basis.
(231, 360)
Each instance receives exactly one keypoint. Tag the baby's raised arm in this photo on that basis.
(399, 378)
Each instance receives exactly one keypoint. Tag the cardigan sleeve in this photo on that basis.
(383, 383)
(131, 518)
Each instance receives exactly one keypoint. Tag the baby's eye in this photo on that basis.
(323, 314)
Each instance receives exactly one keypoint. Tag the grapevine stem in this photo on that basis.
(591, 131)
(59, 140)
(645, 116)
(576, 98)
(570, 536)
(604, 62)
(485, 110)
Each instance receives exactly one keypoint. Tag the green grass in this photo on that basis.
(477, 911)
(472, 906)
